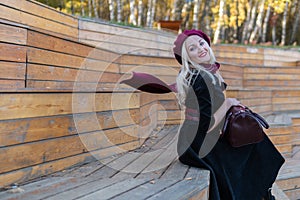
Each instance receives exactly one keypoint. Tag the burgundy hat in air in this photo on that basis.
(182, 37)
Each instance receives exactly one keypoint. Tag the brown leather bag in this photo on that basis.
(243, 127)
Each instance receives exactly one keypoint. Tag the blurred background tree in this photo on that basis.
(263, 22)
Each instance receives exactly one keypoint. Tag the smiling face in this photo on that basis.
(197, 49)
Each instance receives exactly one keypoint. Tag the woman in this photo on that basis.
(242, 173)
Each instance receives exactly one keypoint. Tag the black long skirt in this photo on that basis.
(243, 173)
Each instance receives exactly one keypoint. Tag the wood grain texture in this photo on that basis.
(13, 34)
(25, 18)
(14, 106)
(12, 70)
(10, 52)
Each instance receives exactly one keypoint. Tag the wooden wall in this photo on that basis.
(60, 101)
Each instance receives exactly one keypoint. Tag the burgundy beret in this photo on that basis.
(182, 37)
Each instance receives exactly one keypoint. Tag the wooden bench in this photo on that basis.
(149, 172)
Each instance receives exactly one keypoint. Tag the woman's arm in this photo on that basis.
(219, 115)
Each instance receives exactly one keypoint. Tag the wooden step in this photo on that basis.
(278, 193)
(124, 176)
(289, 178)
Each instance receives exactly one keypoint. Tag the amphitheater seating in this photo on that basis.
(60, 92)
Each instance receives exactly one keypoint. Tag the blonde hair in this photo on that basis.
(184, 78)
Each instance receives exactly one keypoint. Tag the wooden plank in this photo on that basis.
(42, 72)
(33, 129)
(36, 39)
(235, 48)
(251, 93)
(185, 189)
(239, 55)
(169, 104)
(156, 69)
(271, 83)
(284, 148)
(36, 105)
(141, 60)
(231, 75)
(11, 84)
(25, 18)
(39, 188)
(272, 76)
(147, 190)
(32, 172)
(43, 151)
(281, 139)
(128, 49)
(273, 70)
(123, 39)
(170, 115)
(39, 56)
(118, 188)
(85, 189)
(42, 10)
(243, 62)
(280, 63)
(286, 93)
(67, 86)
(278, 130)
(176, 171)
(12, 52)
(124, 31)
(13, 34)
(142, 158)
(286, 107)
(293, 193)
(36, 153)
(165, 158)
(282, 100)
(138, 165)
(287, 54)
(12, 70)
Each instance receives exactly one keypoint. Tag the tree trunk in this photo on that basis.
(236, 28)
(245, 29)
(173, 11)
(178, 10)
(119, 10)
(111, 10)
(252, 20)
(220, 22)
(90, 8)
(265, 26)
(140, 8)
(205, 17)
(196, 14)
(284, 20)
(153, 12)
(95, 6)
(150, 13)
(273, 24)
(295, 24)
(132, 18)
(186, 9)
(72, 7)
(259, 21)
(82, 8)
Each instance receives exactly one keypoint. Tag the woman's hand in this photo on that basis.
(231, 102)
